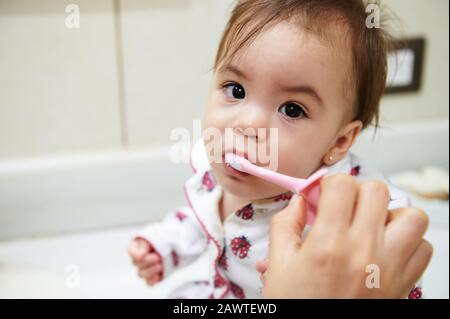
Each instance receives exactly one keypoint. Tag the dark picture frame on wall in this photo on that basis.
(405, 66)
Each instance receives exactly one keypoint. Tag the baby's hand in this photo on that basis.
(149, 263)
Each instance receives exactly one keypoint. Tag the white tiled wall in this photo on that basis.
(168, 52)
(58, 86)
(60, 89)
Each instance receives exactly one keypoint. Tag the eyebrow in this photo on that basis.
(233, 69)
(305, 89)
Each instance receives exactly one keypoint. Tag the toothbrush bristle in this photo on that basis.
(236, 166)
(230, 159)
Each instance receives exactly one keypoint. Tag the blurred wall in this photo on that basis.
(136, 69)
(429, 19)
(58, 87)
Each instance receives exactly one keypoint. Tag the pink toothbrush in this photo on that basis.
(309, 188)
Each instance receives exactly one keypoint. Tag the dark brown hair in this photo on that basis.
(369, 46)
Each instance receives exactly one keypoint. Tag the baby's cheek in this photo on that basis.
(297, 164)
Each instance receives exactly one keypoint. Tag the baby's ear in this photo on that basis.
(344, 141)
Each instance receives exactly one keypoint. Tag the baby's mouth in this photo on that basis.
(231, 170)
(240, 154)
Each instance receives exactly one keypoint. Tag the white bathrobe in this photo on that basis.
(235, 246)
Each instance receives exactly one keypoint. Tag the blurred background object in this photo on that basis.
(86, 113)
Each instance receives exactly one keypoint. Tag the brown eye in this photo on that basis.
(235, 91)
(292, 110)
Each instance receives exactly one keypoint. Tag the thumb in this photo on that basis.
(287, 226)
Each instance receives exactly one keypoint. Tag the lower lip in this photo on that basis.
(234, 172)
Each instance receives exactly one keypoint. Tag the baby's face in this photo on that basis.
(286, 79)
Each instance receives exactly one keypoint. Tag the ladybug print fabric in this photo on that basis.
(240, 246)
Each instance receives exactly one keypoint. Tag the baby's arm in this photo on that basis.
(161, 248)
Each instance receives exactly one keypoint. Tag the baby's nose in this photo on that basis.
(252, 120)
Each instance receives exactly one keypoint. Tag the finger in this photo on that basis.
(147, 261)
(146, 273)
(287, 227)
(132, 250)
(417, 264)
(371, 209)
(404, 233)
(337, 203)
(152, 281)
(138, 249)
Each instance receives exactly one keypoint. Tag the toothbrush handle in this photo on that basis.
(312, 195)
(296, 185)
(316, 177)
(287, 182)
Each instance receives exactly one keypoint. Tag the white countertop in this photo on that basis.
(48, 267)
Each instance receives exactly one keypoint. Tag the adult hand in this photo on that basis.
(354, 245)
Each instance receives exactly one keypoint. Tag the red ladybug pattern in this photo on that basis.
(175, 258)
(237, 291)
(219, 281)
(240, 246)
(246, 213)
(416, 293)
(208, 182)
(284, 197)
(355, 171)
(180, 216)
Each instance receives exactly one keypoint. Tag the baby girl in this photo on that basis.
(313, 70)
